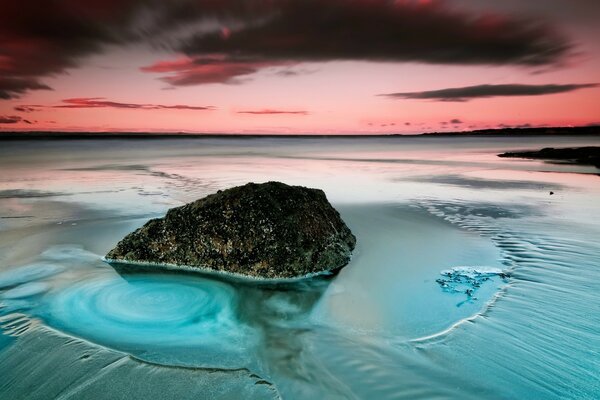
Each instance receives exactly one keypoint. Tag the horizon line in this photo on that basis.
(42, 134)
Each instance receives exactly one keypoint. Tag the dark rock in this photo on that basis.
(268, 231)
(589, 155)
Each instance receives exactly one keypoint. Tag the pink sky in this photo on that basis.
(215, 74)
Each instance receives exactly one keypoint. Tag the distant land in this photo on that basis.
(589, 155)
(545, 131)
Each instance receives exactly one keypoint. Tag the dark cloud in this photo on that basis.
(10, 119)
(14, 87)
(484, 91)
(383, 30)
(580, 13)
(271, 112)
(100, 102)
(52, 36)
(27, 108)
(286, 73)
(270, 34)
(456, 121)
(228, 39)
(14, 119)
(47, 38)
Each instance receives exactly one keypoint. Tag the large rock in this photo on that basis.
(268, 230)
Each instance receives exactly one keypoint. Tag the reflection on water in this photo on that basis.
(468, 281)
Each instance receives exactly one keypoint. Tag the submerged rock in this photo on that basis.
(269, 230)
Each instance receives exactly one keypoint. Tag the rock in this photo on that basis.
(589, 155)
(267, 231)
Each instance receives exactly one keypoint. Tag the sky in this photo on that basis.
(298, 66)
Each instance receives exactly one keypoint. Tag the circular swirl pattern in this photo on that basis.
(146, 314)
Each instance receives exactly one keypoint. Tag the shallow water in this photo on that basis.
(469, 279)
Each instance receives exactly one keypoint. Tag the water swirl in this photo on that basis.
(178, 317)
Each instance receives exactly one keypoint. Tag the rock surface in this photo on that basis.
(589, 155)
(268, 231)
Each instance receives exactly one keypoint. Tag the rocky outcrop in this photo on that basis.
(589, 155)
(268, 231)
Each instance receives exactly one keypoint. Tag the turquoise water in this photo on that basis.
(469, 279)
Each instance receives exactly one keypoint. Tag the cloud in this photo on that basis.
(455, 121)
(271, 112)
(383, 30)
(203, 70)
(26, 108)
(14, 87)
(10, 119)
(100, 102)
(229, 39)
(290, 72)
(266, 34)
(485, 91)
(52, 36)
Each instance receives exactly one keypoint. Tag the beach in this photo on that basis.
(469, 279)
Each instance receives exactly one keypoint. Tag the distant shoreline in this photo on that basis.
(588, 155)
(502, 132)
